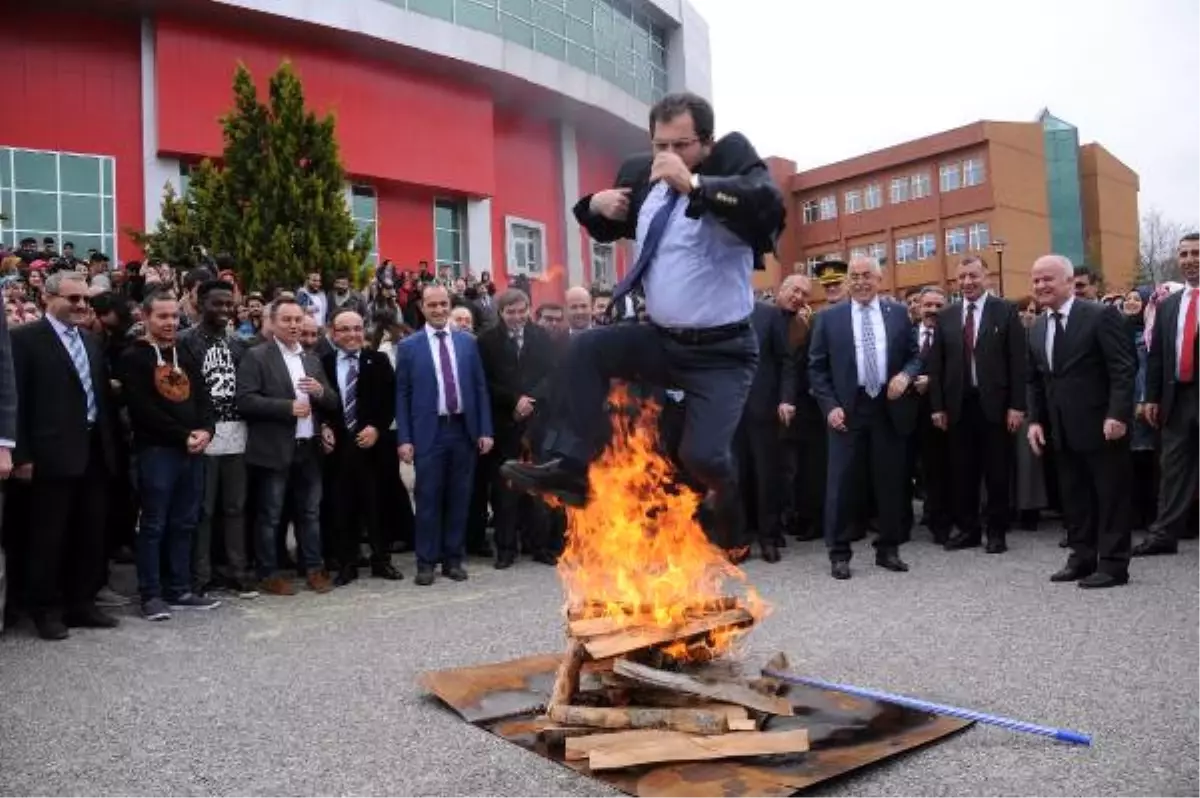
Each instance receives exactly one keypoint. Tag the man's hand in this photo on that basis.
(941, 420)
(525, 407)
(1014, 420)
(671, 169)
(311, 387)
(485, 445)
(23, 472)
(1037, 439)
(367, 437)
(898, 385)
(921, 384)
(1151, 413)
(197, 441)
(1113, 430)
(6, 466)
(612, 204)
(786, 413)
(328, 439)
(301, 408)
(837, 419)
(405, 450)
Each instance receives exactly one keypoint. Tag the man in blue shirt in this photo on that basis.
(702, 212)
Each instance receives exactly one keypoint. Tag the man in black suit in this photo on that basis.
(362, 382)
(868, 408)
(928, 454)
(1081, 373)
(65, 448)
(770, 407)
(977, 394)
(518, 359)
(1171, 403)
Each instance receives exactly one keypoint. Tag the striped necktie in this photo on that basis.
(82, 366)
(351, 398)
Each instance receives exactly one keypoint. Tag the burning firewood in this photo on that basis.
(566, 680)
(698, 721)
(634, 639)
(726, 692)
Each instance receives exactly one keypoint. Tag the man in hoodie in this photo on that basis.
(172, 419)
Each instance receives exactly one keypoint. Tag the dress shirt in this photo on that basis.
(294, 360)
(1051, 330)
(1184, 302)
(435, 348)
(979, 303)
(700, 275)
(880, 353)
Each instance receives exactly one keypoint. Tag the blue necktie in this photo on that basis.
(80, 359)
(654, 234)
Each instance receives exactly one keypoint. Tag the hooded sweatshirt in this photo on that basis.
(159, 419)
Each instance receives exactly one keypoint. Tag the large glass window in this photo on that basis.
(811, 211)
(950, 177)
(364, 209)
(906, 250)
(526, 247)
(828, 207)
(956, 241)
(979, 237)
(920, 185)
(853, 201)
(926, 246)
(878, 252)
(68, 196)
(899, 190)
(973, 172)
(873, 196)
(448, 218)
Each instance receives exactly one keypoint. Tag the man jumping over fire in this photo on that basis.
(703, 213)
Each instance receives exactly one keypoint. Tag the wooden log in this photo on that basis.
(555, 737)
(725, 692)
(679, 747)
(696, 721)
(566, 679)
(623, 642)
(609, 624)
(577, 748)
(770, 686)
(592, 609)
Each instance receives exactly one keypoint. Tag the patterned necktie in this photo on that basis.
(870, 355)
(351, 398)
(447, 374)
(969, 342)
(926, 341)
(654, 234)
(80, 359)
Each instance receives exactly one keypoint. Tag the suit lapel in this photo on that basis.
(276, 364)
(1037, 338)
(1170, 326)
(1074, 322)
(60, 350)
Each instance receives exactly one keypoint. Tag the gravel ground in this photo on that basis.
(318, 695)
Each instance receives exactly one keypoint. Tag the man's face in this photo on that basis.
(515, 315)
(1189, 260)
(32, 312)
(460, 285)
(972, 280)
(254, 309)
(600, 306)
(341, 285)
(835, 292)
(435, 305)
(218, 307)
(462, 320)
(1085, 288)
(68, 250)
(310, 332)
(1052, 286)
(579, 310)
(29, 247)
(348, 332)
(314, 282)
(70, 306)
(163, 321)
(863, 280)
(678, 135)
(287, 323)
(930, 304)
(554, 320)
(914, 307)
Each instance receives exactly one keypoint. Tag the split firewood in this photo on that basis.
(696, 721)
(725, 692)
(680, 747)
(609, 624)
(625, 641)
(768, 685)
(555, 737)
(577, 748)
(566, 679)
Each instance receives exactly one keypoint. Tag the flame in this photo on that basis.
(636, 553)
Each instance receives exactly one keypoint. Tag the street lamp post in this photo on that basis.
(998, 245)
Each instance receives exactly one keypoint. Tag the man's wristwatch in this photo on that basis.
(695, 182)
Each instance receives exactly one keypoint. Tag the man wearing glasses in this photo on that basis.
(702, 213)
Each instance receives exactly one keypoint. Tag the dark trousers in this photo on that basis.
(929, 453)
(394, 505)
(715, 375)
(981, 452)
(487, 472)
(355, 504)
(1180, 466)
(65, 562)
(510, 508)
(871, 446)
(1095, 495)
(171, 483)
(224, 498)
(805, 460)
(445, 478)
(759, 454)
(303, 476)
(1143, 489)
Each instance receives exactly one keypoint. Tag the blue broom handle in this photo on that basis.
(1062, 735)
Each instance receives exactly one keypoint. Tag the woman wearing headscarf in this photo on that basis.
(1144, 490)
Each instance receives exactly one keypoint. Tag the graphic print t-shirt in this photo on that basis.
(220, 375)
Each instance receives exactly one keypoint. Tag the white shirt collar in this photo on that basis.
(299, 350)
(1065, 310)
(432, 331)
(979, 303)
(873, 304)
(59, 327)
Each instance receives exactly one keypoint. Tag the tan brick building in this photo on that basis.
(1010, 191)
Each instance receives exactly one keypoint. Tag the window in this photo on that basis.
(878, 252)
(828, 207)
(448, 218)
(920, 185)
(956, 241)
(65, 195)
(526, 246)
(858, 252)
(604, 267)
(973, 172)
(364, 209)
(899, 190)
(874, 196)
(906, 250)
(811, 211)
(978, 237)
(853, 202)
(950, 177)
(926, 246)
(185, 177)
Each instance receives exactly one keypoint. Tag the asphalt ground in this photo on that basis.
(318, 694)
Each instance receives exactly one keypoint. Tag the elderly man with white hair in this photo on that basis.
(1082, 366)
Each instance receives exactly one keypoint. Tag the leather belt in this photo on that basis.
(699, 336)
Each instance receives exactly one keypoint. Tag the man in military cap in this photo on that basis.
(831, 274)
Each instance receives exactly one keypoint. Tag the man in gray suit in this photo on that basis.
(282, 394)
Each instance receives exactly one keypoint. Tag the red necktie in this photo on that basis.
(1187, 353)
(969, 343)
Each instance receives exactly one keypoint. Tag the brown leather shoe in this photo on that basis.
(277, 586)
(319, 582)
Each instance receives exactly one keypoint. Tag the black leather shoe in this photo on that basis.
(385, 570)
(545, 558)
(50, 626)
(940, 536)
(89, 616)
(1153, 546)
(504, 562)
(455, 574)
(1072, 572)
(1064, 542)
(840, 569)
(996, 545)
(892, 562)
(425, 577)
(553, 477)
(1100, 580)
(345, 576)
(959, 541)
(770, 552)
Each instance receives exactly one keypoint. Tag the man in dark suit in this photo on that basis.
(928, 453)
(443, 422)
(518, 358)
(363, 382)
(868, 408)
(769, 409)
(283, 396)
(977, 394)
(1082, 366)
(65, 448)
(1171, 403)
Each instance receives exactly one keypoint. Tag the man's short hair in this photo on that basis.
(337, 314)
(1190, 237)
(161, 294)
(197, 276)
(1088, 272)
(208, 286)
(969, 259)
(549, 307)
(680, 103)
(511, 296)
(933, 289)
(274, 307)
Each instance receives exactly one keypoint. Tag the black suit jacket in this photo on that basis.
(735, 187)
(264, 398)
(1000, 350)
(375, 401)
(8, 386)
(52, 431)
(1161, 359)
(510, 377)
(775, 377)
(1093, 383)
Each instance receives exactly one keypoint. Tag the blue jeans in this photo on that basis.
(171, 483)
(305, 477)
